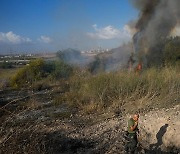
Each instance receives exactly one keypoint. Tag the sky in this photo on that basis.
(52, 25)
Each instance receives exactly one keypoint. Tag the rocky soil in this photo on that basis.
(57, 130)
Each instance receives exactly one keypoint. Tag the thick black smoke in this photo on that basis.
(156, 21)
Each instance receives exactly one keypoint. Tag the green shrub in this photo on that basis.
(97, 66)
(29, 74)
(38, 70)
(172, 51)
(61, 70)
(6, 65)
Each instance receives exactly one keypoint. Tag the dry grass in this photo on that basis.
(93, 93)
(33, 103)
(5, 75)
(153, 87)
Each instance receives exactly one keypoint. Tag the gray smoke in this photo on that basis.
(156, 21)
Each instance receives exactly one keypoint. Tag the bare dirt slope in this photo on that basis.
(34, 131)
(47, 128)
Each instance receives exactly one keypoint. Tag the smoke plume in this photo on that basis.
(156, 21)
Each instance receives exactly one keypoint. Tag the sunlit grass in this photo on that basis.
(158, 86)
(7, 73)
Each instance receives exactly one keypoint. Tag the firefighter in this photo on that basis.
(132, 134)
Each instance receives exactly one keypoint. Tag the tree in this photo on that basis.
(172, 50)
(29, 74)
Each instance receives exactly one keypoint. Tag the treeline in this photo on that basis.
(172, 50)
(166, 52)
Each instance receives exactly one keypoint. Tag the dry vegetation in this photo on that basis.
(49, 109)
(5, 75)
(157, 86)
(153, 87)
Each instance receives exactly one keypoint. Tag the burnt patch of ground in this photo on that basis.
(34, 132)
(50, 128)
(55, 142)
(25, 133)
(15, 101)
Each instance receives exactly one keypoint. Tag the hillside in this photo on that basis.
(88, 113)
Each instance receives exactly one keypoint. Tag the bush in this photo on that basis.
(38, 70)
(69, 55)
(61, 70)
(172, 51)
(97, 66)
(6, 65)
(29, 74)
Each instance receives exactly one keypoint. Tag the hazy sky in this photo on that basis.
(50, 25)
